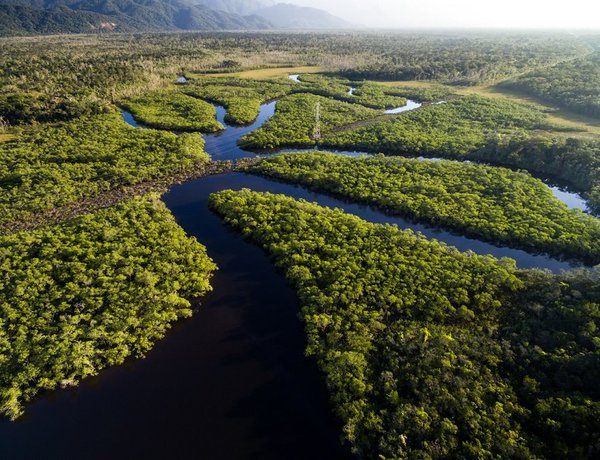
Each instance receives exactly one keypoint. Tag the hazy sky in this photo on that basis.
(465, 13)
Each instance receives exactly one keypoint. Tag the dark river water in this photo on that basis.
(231, 383)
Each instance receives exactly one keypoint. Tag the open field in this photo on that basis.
(562, 117)
(270, 72)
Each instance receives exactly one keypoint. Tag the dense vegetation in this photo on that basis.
(376, 96)
(574, 160)
(490, 203)
(574, 84)
(294, 121)
(51, 165)
(88, 293)
(174, 111)
(454, 129)
(465, 59)
(553, 331)
(24, 108)
(365, 93)
(19, 17)
(241, 98)
(430, 93)
(107, 64)
(429, 352)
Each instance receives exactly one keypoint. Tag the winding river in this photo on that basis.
(231, 382)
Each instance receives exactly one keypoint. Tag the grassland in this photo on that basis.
(269, 73)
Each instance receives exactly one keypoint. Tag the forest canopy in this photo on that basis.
(51, 165)
(429, 352)
(173, 111)
(574, 84)
(486, 202)
(454, 129)
(294, 121)
(88, 293)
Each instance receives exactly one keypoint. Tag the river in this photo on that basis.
(231, 382)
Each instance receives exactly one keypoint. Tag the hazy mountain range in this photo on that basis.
(19, 17)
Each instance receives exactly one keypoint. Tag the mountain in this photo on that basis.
(18, 17)
(19, 20)
(288, 16)
(281, 15)
(243, 7)
(79, 16)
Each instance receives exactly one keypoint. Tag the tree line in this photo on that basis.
(485, 202)
(574, 84)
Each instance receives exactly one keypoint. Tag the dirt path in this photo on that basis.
(116, 195)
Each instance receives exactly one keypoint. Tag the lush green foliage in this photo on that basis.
(377, 96)
(294, 121)
(323, 85)
(491, 203)
(86, 294)
(430, 93)
(17, 108)
(425, 348)
(454, 129)
(242, 106)
(51, 165)
(466, 59)
(174, 111)
(74, 68)
(574, 160)
(108, 64)
(365, 93)
(241, 98)
(554, 331)
(428, 352)
(574, 84)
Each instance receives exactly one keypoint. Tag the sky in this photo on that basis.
(464, 13)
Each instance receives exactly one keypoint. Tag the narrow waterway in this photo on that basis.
(224, 146)
(572, 199)
(230, 383)
(410, 105)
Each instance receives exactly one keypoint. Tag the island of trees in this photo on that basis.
(490, 203)
(429, 352)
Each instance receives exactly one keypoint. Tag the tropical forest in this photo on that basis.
(250, 230)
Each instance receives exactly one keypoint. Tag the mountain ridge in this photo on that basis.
(282, 15)
(19, 17)
(290, 16)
